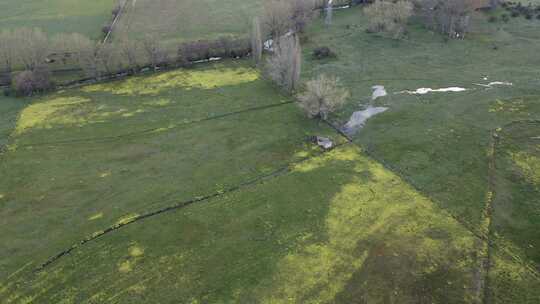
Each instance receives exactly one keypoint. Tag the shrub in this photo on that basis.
(492, 19)
(322, 52)
(323, 95)
(29, 82)
(505, 18)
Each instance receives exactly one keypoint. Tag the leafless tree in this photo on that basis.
(302, 12)
(7, 51)
(156, 54)
(323, 95)
(277, 17)
(450, 17)
(32, 47)
(389, 16)
(130, 51)
(27, 82)
(284, 66)
(282, 16)
(256, 40)
(109, 60)
(88, 57)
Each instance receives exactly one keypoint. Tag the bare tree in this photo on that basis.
(277, 17)
(155, 52)
(323, 96)
(284, 66)
(108, 58)
(66, 46)
(450, 17)
(27, 83)
(129, 50)
(302, 12)
(256, 40)
(7, 51)
(388, 16)
(32, 47)
(282, 16)
(88, 57)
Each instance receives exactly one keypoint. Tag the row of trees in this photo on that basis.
(32, 50)
(450, 17)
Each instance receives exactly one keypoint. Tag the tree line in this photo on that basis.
(27, 54)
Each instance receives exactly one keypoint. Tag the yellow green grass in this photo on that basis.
(361, 232)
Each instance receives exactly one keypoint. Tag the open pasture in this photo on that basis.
(200, 186)
(190, 177)
(440, 142)
(57, 16)
(189, 20)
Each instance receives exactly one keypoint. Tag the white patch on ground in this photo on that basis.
(423, 91)
(359, 118)
(378, 91)
(268, 45)
(494, 83)
(208, 60)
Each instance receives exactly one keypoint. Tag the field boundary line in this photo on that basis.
(180, 205)
(490, 243)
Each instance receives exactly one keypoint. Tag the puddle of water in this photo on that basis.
(422, 91)
(495, 83)
(208, 60)
(378, 91)
(359, 118)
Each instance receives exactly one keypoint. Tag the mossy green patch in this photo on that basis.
(359, 233)
(55, 110)
(207, 79)
(529, 166)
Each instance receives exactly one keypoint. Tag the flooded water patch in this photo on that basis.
(423, 91)
(358, 119)
(378, 91)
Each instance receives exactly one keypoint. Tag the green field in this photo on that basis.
(57, 16)
(103, 155)
(440, 141)
(189, 20)
(201, 186)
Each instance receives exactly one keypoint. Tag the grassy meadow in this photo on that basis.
(201, 186)
(189, 20)
(57, 16)
(440, 141)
